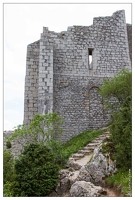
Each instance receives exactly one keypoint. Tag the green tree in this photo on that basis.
(117, 94)
(41, 128)
(8, 174)
(36, 171)
(8, 166)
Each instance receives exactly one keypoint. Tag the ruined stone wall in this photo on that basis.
(76, 96)
(31, 82)
(65, 80)
(129, 34)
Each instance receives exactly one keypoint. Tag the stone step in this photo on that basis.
(107, 132)
(90, 149)
(92, 144)
(77, 156)
(97, 141)
(85, 151)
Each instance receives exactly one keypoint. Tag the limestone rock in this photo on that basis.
(72, 164)
(84, 175)
(73, 177)
(100, 166)
(85, 189)
(64, 183)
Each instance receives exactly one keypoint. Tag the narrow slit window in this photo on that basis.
(90, 58)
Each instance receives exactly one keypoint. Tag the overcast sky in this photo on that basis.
(23, 24)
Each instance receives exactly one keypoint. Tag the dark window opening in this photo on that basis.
(90, 58)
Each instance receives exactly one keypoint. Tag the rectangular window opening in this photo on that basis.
(90, 57)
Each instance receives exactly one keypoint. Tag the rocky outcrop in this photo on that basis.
(84, 173)
(100, 166)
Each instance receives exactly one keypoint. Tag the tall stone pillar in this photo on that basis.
(45, 87)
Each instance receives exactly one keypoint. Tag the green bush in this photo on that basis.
(8, 166)
(7, 192)
(121, 135)
(41, 128)
(57, 150)
(8, 144)
(36, 171)
(8, 174)
(120, 88)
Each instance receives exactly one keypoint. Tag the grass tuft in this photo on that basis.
(122, 180)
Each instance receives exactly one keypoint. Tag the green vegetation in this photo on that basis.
(122, 180)
(8, 173)
(8, 166)
(36, 171)
(8, 144)
(117, 94)
(51, 121)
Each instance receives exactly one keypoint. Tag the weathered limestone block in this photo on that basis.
(84, 175)
(100, 166)
(86, 189)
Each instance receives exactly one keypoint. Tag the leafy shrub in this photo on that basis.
(121, 135)
(57, 147)
(120, 88)
(36, 171)
(41, 128)
(7, 192)
(8, 166)
(8, 144)
(8, 174)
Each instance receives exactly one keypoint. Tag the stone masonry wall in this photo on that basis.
(31, 82)
(129, 34)
(66, 82)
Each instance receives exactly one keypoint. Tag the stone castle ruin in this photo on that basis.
(64, 71)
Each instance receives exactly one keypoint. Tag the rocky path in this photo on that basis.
(82, 157)
(82, 172)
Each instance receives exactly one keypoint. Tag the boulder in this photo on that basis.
(73, 177)
(86, 189)
(100, 166)
(64, 183)
(84, 175)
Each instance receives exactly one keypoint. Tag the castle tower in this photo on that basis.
(64, 71)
